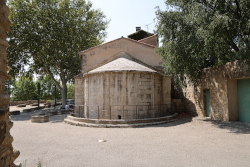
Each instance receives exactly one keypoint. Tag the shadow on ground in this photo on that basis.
(175, 123)
(27, 116)
(22, 116)
(182, 118)
(57, 118)
(233, 127)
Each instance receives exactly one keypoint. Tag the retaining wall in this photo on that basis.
(222, 83)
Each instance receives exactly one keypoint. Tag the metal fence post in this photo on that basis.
(88, 110)
(79, 112)
(166, 110)
(110, 113)
(55, 98)
(123, 113)
(38, 94)
(98, 112)
(158, 109)
(171, 109)
(148, 111)
(136, 112)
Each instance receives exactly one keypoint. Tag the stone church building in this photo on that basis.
(122, 72)
(128, 71)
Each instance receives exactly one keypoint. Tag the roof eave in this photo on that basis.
(132, 40)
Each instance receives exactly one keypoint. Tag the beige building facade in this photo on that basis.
(139, 50)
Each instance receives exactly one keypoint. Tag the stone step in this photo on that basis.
(68, 121)
(16, 112)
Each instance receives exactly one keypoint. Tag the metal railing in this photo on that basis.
(124, 112)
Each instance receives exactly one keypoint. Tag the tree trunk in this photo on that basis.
(64, 94)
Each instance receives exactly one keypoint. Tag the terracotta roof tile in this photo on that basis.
(114, 41)
(147, 38)
(122, 64)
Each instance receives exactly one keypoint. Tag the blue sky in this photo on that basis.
(125, 15)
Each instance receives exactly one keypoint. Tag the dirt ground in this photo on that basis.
(186, 142)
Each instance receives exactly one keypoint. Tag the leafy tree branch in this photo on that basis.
(197, 34)
(46, 36)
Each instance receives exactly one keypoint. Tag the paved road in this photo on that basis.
(185, 142)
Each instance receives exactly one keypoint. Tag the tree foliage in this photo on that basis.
(202, 33)
(24, 89)
(47, 88)
(138, 35)
(48, 34)
(71, 91)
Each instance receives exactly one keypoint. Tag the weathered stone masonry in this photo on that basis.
(123, 88)
(123, 72)
(222, 83)
(7, 154)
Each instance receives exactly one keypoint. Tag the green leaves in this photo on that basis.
(46, 36)
(24, 89)
(139, 35)
(198, 34)
(71, 91)
(47, 90)
(51, 33)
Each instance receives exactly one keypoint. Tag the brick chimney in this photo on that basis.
(138, 29)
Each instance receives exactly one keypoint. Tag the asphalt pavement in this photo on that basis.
(193, 142)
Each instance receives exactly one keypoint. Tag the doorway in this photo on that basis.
(207, 102)
(243, 87)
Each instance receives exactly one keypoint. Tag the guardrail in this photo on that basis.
(124, 112)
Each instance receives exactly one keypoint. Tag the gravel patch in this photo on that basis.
(186, 142)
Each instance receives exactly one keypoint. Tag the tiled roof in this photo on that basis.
(122, 64)
(147, 38)
(117, 40)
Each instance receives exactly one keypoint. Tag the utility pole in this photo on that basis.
(55, 98)
(38, 94)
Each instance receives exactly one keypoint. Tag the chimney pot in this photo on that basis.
(138, 29)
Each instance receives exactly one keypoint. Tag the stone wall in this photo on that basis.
(7, 154)
(177, 98)
(222, 83)
(94, 56)
(123, 88)
(79, 91)
(152, 40)
(177, 106)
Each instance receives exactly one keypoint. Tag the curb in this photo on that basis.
(171, 118)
